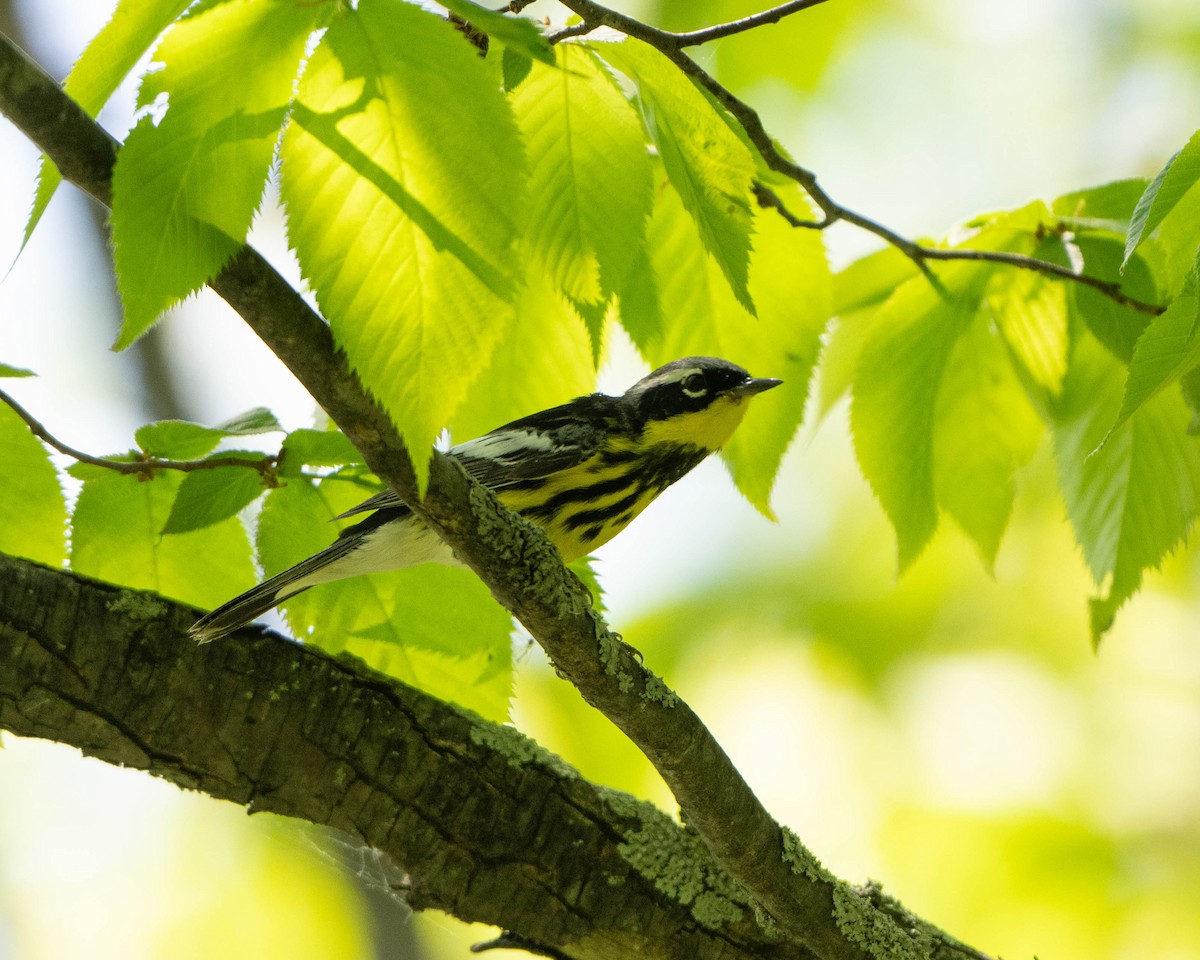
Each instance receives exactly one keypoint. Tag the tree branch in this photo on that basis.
(515, 559)
(481, 822)
(671, 45)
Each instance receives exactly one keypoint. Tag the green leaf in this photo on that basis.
(545, 360)
(789, 280)
(1132, 500)
(585, 569)
(1179, 175)
(257, 420)
(1190, 385)
(519, 34)
(185, 189)
(870, 280)
(33, 511)
(116, 536)
(639, 307)
(206, 497)
(106, 61)
(433, 627)
(587, 155)
(317, 448)
(1168, 349)
(1109, 205)
(1030, 311)
(403, 181)
(514, 68)
(184, 440)
(893, 410)
(708, 165)
(1115, 326)
(8, 371)
(984, 429)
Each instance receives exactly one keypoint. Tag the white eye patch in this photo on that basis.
(693, 385)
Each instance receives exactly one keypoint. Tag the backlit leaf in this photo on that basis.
(186, 188)
(790, 282)
(707, 163)
(116, 535)
(33, 511)
(100, 69)
(588, 157)
(1175, 179)
(402, 176)
(1134, 499)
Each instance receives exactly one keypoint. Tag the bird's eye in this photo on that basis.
(693, 385)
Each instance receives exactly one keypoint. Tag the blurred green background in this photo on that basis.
(950, 734)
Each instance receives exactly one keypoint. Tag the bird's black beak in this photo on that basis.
(752, 385)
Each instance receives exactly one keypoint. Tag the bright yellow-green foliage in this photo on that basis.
(476, 224)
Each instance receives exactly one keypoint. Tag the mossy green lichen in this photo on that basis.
(517, 748)
(676, 861)
(802, 860)
(140, 607)
(875, 931)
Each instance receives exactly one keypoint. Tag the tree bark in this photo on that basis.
(480, 821)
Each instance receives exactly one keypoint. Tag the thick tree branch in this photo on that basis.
(513, 557)
(672, 45)
(482, 823)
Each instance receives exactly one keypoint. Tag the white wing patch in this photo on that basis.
(505, 445)
(390, 546)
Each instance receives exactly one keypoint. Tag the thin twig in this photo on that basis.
(722, 30)
(670, 45)
(575, 30)
(143, 466)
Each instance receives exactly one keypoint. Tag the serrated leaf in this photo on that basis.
(514, 68)
(585, 569)
(984, 429)
(1134, 499)
(115, 536)
(844, 342)
(206, 497)
(8, 371)
(1168, 349)
(870, 280)
(184, 440)
(1107, 205)
(894, 402)
(588, 157)
(403, 184)
(519, 34)
(1030, 311)
(185, 190)
(639, 307)
(317, 448)
(255, 421)
(708, 165)
(436, 628)
(1175, 179)
(1115, 326)
(100, 69)
(33, 511)
(177, 439)
(545, 360)
(789, 280)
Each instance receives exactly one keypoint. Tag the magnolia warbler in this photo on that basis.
(583, 470)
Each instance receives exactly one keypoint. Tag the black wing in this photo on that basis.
(534, 446)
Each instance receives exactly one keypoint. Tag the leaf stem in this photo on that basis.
(672, 45)
(145, 465)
